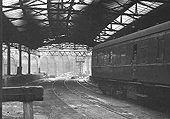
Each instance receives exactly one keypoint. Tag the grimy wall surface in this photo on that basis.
(52, 65)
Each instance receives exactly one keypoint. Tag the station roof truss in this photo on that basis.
(77, 53)
(37, 23)
(65, 49)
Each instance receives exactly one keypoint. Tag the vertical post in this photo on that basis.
(39, 70)
(88, 65)
(29, 62)
(73, 61)
(1, 28)
(9, 59)
(80, 68)
(20, 60)
(28, 110)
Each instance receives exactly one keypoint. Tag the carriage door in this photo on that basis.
(134, 62)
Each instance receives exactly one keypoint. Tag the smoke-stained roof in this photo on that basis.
(36, 23)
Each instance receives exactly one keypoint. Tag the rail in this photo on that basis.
(25, 94)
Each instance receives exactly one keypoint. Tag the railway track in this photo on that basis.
(93, 88)
(89, 86)
(86, 99)
(58, 94)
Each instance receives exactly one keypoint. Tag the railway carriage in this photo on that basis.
(136, 66)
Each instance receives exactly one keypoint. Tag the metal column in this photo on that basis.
(29, 62)
(1, 57)
(9, 60)
(88, 67)
(39, 70)
(19, 70)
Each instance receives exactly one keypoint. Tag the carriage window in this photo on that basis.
(160, 55)
(134, 56)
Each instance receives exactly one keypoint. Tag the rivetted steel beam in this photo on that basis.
(48, 12)
(36, 8)
(23, 8)
(69, 14)
(56, 19)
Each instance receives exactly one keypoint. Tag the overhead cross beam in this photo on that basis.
(69, 14)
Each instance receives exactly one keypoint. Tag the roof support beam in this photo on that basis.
(69, 14)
